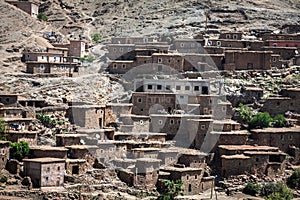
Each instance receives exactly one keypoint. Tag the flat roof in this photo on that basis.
(71, 135)
(82, 147)
(48, 148)
(184, 169)
(248, 147)
(253, 88)
(140, 134)
(4, 142)
(238, 132)
(295, 130)
(146, 149)
(264, 153)
(234, 157)
(44, 160)
(148, 160)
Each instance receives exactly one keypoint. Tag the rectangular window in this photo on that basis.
(149, 87)
(168, 87)
(160, 122)
(178, 87)
(159, 87)
(139, 100)
(187, 87)
(159, 60)
(196, 88)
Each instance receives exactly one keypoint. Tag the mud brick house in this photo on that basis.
(247, 60)
(168, 156)
(114, 111)
(259, 160)
(190, 177)
(282, 36)
(77, 48)
(9, 100)
(282, 138)
(179, 86)
(110, 150)
(144, 153)
(141, 136)
(134, 123)
(86, 152)
(88, 116)
(124, 163)
(188, 45)
(132, 40)
(231, 35)
(145, 173)
(4, 153)
(30, 7)
(76, 166)
(203, 62)
(45, 172)
(51, 61)
(172, 124)
(35, 103)
(121, 51)
(165, 62)
(143, 102)
(69, 139)
(293, 93)
(286, 53)
(280, 105)
(252, 92)
(48, 151)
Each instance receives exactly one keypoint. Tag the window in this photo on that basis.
(257, 160)
(48, 169)
(202, 127)
(160, 122)
(43, 57)
(141, 122)
(187, 87)
(181, 97)
(67, 67)
(196, 177)
(178, 87)
(58, 168)
(187, 177)
(218, 43)
(115, 66)
(204, 90)
(42, 67)
(182, 44)
(196, 88)
(227, 36)
(159, 87)
(54, 67)
(172, 121)
(149, 87)
(62, 67)
(235, 36)
(159, 60)
(178, 121)
(139, 100)
(114, 49)
(223, 108)
(190, 188)
(124, 66)
(47, 178)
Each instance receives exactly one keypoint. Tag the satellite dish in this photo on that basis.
(82, 141)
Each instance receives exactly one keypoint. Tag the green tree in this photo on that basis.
(294, 180)
(42, 17)
(3, 126)
(171, 190)
(245, 112)
(279, 121)
(284, 193)
(19, 150)
(97, 37)
(252, 189)
(261, 120)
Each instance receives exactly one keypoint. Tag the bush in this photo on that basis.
(3, 179)
(42, 17)
(171, 190)
(252, 189)
(87, 58)
(284, 193)
(245, 113)
(279, 121)
(19, 150)
(294, 180)
(3, 126)
(261, 120)
(97, 37)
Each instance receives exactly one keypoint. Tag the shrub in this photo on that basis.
(3, 179)
(252, 189)
(42, 17)
(261, 120)
(3, 126)
(294, 180)
(279, 121)
(97, 37)
(245, 113)
(87, 58)
(283, 193)
(19, 150)
(171, 190)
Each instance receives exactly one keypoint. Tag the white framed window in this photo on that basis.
(42, 67)
(62, 67)
(124, 66)
(54, 67)
(160, 122)
(182, 44)
(172, 121)
(67, 67)
(141, 122)
(159, 60)
(218, 43)
(203, 127)
(115, 66)
(139, 100)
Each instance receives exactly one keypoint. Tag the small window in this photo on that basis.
(141, 122)
(159, 60)
(196, 177)
(257, 160)
(160, 122)
(47, 178)
(54, 67)
(196, 88)
(58, 168)
(43, 57)
(139, 100)
(115, 66)
(178, 87)
(159, 87)
(149, 87)
(187, 87)
(182, 44)
(114, 49)
(218, 43)
(48, 169)
(62, 67)
(172, 121)
(223, 108)
(202, 127)
(187, 177)
(124, 66)
(67, 67)
(42, 67)
(235, 36)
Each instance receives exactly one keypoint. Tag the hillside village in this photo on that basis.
(210, 114)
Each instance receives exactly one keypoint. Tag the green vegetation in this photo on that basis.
(246, 113)
(3, 126)
(171, 190)
(19, 150)
(3, 179)
(276, 191)
(279, 121)
(97, 37)
(46, 120)
(261, 120)
(87, 58)
(42, 17)
(294, 180)
(252, 189)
